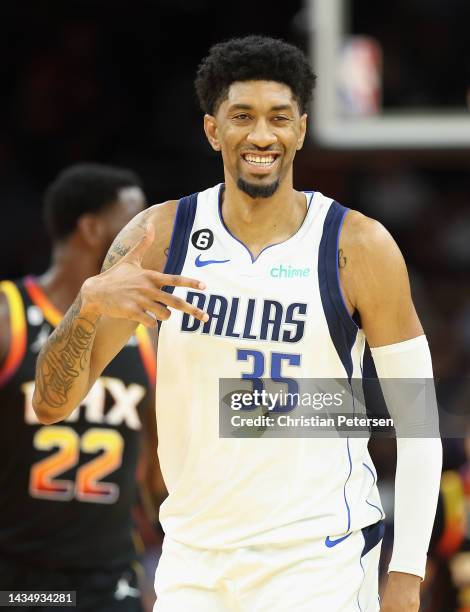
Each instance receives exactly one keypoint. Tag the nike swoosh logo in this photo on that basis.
(330, 543)
(200, 263)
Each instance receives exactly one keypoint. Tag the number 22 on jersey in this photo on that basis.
(88, 486)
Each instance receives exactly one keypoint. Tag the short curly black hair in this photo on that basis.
(80, 189)
(253, 58)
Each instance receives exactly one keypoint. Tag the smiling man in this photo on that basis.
(290, 523)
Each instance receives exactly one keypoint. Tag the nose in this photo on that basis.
(261, 135)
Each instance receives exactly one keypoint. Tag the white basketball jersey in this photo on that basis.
(231, 492)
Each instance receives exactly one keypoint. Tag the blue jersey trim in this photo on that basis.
(180, 237)
(373, 534)
(341, 302)
(362, 584)
(254, 259)
(345, 484)
(342, 328)
(382, 515)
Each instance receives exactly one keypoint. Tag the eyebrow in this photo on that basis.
(281, 107)
(278, 107)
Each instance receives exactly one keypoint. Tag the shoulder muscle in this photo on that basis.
(375, 281)
(162, 217)
(368, 252)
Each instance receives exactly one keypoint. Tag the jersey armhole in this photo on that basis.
(183, 224)
(184, 220)
(17, 318)
(329, 258)
(342, 327)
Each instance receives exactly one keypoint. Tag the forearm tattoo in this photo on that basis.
(116, 251)
(125, 240)
(64, 357)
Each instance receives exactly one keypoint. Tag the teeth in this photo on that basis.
(257, 159)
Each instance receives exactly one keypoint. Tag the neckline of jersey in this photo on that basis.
(292, 238)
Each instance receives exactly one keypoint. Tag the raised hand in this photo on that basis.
(129, 291)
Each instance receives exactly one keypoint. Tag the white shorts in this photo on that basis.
(341, 577)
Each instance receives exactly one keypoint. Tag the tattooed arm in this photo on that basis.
(60, 367)
(109, 306)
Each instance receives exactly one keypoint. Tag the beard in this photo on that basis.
(257, 191)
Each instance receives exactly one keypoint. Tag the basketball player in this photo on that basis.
(68, 489)
(260, 524)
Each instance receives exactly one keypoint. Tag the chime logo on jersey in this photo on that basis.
(288, 271)
(250, 319)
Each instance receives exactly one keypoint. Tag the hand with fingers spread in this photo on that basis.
(129, 291)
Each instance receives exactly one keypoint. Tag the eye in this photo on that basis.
(242, 117)
(280, 118)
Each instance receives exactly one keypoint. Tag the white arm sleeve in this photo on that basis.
(419, 450)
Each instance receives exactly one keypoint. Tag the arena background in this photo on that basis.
(113, 82)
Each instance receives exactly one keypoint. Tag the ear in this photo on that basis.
(303, 131)
(211, 130)
(91, 229)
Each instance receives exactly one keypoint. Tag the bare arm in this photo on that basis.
(106, 312)
(63, 366)
(375, 282)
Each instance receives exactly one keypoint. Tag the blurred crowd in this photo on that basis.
(112, 82)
